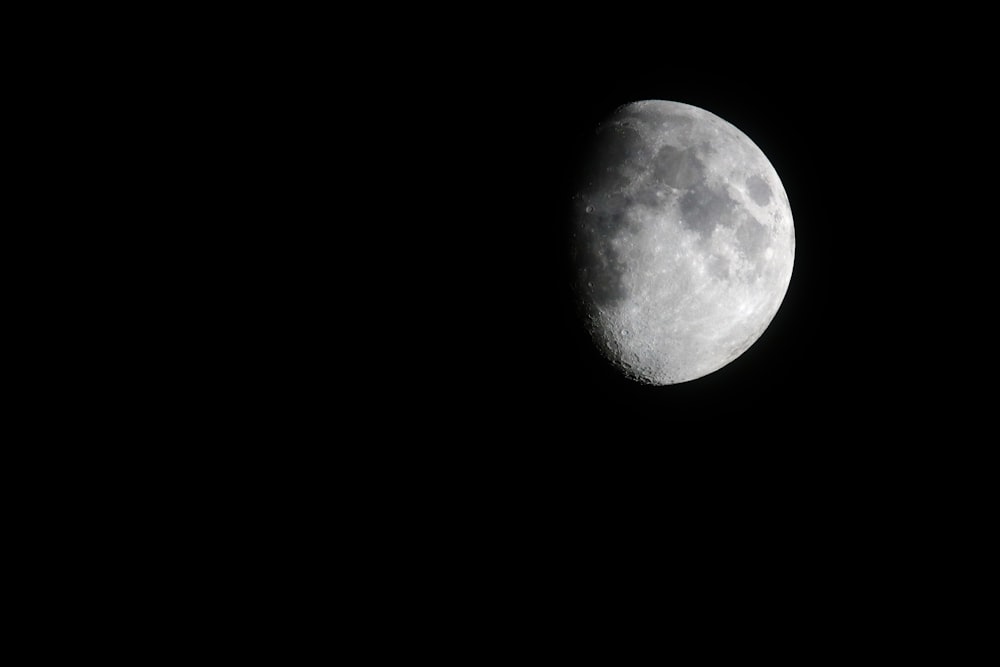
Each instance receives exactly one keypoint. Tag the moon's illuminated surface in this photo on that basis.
(683, 241)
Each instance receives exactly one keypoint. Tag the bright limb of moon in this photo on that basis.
(682, 239)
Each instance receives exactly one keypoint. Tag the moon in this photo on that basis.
(682, 241)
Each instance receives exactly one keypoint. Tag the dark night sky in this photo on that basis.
(385, 309)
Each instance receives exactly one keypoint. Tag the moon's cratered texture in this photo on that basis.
(682, 239)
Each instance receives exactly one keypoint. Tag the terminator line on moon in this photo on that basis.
(682, 240)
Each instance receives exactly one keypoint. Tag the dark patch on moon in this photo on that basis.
(677, 168)
(753, 237)
(648, 197)
(718, 266)
(704, 207)
(608, 215)
(759, 190)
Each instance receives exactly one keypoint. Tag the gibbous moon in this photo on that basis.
(682, 240)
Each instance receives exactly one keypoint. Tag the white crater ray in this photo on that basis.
(683, 241)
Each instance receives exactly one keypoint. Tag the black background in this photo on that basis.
(332, 343)
(378, 344)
